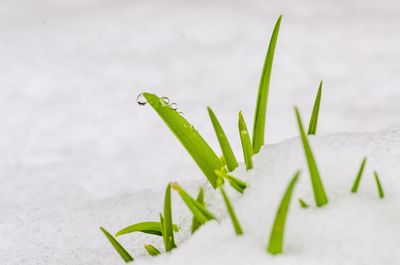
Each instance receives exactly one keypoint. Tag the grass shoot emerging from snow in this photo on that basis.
(231, 212)
(200, 199)
(263, 89)
(303, 204)
(166, 224)
(153, 251)
(357, 180)
(381, 194)
(193, 142)
(117, 246)
(246, 142)
(226, 148)
(313, 124)
(153, 228)
(319, 192)
(236, 183)
(275, 244)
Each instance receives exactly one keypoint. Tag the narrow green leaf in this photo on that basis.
(153, 251)
(303, 204)
(168, 231)
(197, 147)
(153, 228)
(246, 142)
(379, 186)
(200, 199)
(229, 207)
(357, 180)
(236, 183)
(226, 148)
(117, 246)
(263, 89)
(312, 126)
(198, 210)
(275, 244)
(319, 192)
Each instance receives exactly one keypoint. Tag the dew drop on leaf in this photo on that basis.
(141, 100)
(174, 106)
(164, 101)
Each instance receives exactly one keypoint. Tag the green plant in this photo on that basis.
(319, 192)
(153, 228)
(231, 211)
(357, 180)
(313, 124)
(275, 244)
(117, 246)
(263, 89)
(152, 250)
(200, 199)
(166, 222)
(229, 156)
(246, 142)
(236, 183)
(379, 186)
(303, 204)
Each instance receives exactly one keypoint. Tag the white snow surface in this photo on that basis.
(77, 152)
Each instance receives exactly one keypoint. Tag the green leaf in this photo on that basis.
(246, 142)
(275, 244)
(312, 126)
(229, 156)
(117, 246)
(379, 185)
(303, 204)
(168, 231)
(263, 89)
(152, 250)
(196, 146)
(200, 199)
(357, 180)
(319, 192)
(236, 183)
(229, 207)
(153, 228)
(198, 210)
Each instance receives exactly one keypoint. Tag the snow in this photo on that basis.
(77, 152)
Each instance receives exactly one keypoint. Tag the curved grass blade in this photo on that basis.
(197, 147)
(168, 231)
(263, 89)
(198, 210)
(303, 204)
(246, 142)
(117, 246)
(200, 199)
(229, 207)
(153, 228)
(357, 180)
(226, 148)
(313, 124)
(379, 186)
(319, 192)
(152, 250)
(237, 184)
(275, 244)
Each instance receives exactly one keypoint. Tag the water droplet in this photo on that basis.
(141, 100)
(174, 106)
(181, 113)
(164, 101)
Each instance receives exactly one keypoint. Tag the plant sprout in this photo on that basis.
(166, 222)
(200, 199)
(246, 142)
(303, 204)
(313, 124)
(229, 208)
(357, 180)
(152, 250)
(153, 228)
(379, 186)
(117, 246)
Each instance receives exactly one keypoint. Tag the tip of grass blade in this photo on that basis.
(168, 230)
(313, 124)
(200, 199)
(275, 244)
(117, 246)
(379, 186)
(303, 204)
(357, 180)
(246, 142)
(153, 251)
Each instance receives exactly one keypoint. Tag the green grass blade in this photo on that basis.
(357, 180)
(263, 89)
(200, 199)
(197, 147)
(153, 228)
(168, 231)
(226, 148)
(229, 207)
(236, 183)
(246, 142)
(319, 192)
(117, 246)
(313, 124)
(152, 250)
(303, 204)
(198, 210)
(275, 244)
(379, 185)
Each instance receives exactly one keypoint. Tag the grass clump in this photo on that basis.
(166, 222)
(153, 228)
(229, 156)
(231, 212)
(153, 251)
(319, 192)
(117, 246)
(357, 180)
(246, 142)
(313, 124)
(379, 185)
(200, 199)
(193, 142)
(263, 89)
(275, 243)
